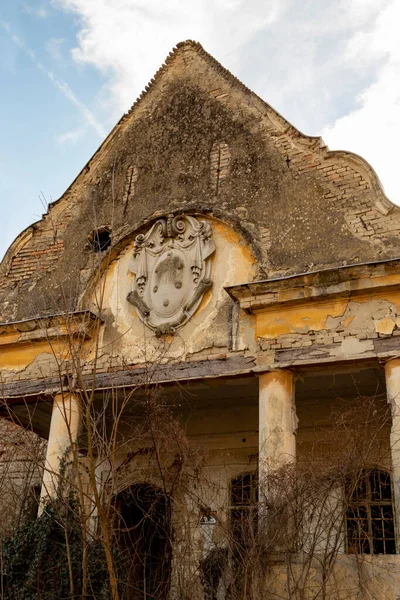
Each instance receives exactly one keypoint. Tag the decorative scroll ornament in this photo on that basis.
(171, 270)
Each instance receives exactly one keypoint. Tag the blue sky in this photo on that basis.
(70, 68)
(38, 151)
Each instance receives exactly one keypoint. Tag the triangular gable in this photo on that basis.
(198, 140)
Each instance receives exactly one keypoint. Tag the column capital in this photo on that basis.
(264, 369)
(392, 375)
(392, 363)
(67, 391)
(278, 379)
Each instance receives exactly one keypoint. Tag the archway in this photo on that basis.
(144, 540)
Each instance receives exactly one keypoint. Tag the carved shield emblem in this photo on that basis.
(171, 270)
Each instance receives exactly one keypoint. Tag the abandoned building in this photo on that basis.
(216, 260)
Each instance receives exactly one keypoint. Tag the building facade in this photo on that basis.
(213, 262)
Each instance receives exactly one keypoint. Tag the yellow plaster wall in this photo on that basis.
(42, 356)
(124, 339)
(298, 319)
(317, 315)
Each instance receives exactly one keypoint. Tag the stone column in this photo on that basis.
(64, 430)
(277, 423)
(392, 373)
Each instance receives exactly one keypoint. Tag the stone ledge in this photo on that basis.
(49, 327)
(343, 281)
(203, 369)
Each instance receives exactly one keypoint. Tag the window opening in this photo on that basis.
(244, 498)
(144, 541)
(31, 504)
(369, 517)
(100, 239)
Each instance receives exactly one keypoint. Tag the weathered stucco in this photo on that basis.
(41, 347)
(64, 431)
(277, 421)
(297, 204)
(124, 335)
(299, 309)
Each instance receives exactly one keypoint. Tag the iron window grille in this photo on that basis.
(243, 510)
(369, 517)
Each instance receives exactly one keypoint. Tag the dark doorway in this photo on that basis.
(144, 539)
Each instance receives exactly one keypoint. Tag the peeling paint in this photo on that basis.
(124, 334)
(298, 319)
(385, 326)
(352, 346)
(277, 418)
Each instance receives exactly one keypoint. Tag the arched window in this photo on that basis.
(244, 498)
(369, 516)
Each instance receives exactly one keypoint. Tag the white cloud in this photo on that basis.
(373, 128)
(330, 66)
(71, 137)
(129, 39)
(36, 11)
(54, 47)
(58, 83)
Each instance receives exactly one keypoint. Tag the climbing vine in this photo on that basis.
(42, 560)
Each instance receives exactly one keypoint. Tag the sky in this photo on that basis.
(69, 69)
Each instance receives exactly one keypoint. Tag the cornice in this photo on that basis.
(351, 280)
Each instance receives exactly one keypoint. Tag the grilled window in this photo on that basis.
(244, 497)
(369, 517)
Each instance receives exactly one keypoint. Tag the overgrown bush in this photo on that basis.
(43, 559)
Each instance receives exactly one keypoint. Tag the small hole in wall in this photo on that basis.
(100, 239)
(244, 440)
